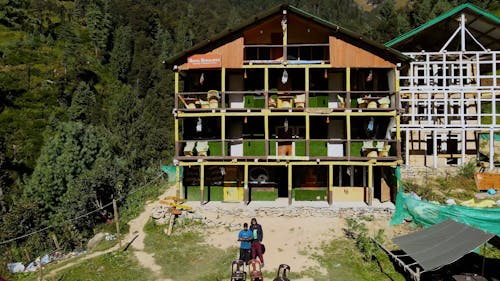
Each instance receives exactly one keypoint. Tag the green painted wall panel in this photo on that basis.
(310, 195)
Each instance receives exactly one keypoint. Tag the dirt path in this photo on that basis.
(292, 240)
(289, 240)
(136, 235)
(136, 225)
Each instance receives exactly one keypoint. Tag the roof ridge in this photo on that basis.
(441, 18)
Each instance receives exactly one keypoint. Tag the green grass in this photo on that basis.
(117, 266)
(134, 203)
(460, 186)
(343, 261)
(184, 256)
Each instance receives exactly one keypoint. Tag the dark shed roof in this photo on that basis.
(442, 243)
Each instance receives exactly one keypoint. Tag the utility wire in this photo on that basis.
(81, 216)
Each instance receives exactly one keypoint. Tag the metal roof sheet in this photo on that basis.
(484, 26)
(442, 243)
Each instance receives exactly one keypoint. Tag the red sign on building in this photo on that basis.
(209, 60)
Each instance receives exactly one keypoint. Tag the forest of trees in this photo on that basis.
(86, 99)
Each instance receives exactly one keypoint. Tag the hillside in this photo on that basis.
(86, 104)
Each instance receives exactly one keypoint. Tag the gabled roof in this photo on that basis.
(233, 33)
(432, 35)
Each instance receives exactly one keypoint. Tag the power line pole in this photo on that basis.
(115, 210)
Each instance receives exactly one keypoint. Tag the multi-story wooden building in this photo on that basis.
(451, 89)
(286, 105)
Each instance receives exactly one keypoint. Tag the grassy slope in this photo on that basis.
(185, 256)
(117, 266)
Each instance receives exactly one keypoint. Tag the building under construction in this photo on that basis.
(450, 92)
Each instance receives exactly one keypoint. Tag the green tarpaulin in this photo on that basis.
(170, 171)
(427, 213)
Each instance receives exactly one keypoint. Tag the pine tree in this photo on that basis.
(121, 55)
(99, 25)
(83, 104)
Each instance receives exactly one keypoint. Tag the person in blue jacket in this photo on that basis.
(245, 238)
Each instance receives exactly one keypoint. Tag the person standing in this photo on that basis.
(257, 236)
(245, 237)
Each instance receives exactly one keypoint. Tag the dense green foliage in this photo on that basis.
(85, 109)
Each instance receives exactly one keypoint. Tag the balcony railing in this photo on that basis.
(288, 149)
(295, 54)
(285, 100)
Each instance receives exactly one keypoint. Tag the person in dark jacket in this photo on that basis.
(257, 235)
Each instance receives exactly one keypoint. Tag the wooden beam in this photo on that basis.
(330, 184)
(223, 133)
(370, 185)
(281, 66)
(246, 190)
(284, 163)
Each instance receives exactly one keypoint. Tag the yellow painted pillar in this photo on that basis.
(266, 131)
(246, 190)
(202, 184)
(290, 184)
(370, 185)
(330, 184)
(306, 73)
(398, 135)
(308, 136)
(177, 181)
(284, 26)
(347, 104)
(397, 80)
(176, 85)
(347, 99)
(223, 87)
(348, 134)
(308, 127)
(176, 137)
(266, 79)
(223, 80)
(223, 133)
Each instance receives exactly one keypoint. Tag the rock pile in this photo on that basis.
(230, 216)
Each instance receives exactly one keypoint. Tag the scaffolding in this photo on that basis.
(448, 97)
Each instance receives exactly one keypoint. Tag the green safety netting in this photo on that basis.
(428, 213)
(486, 136)
(484, 147)
(170, 171)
